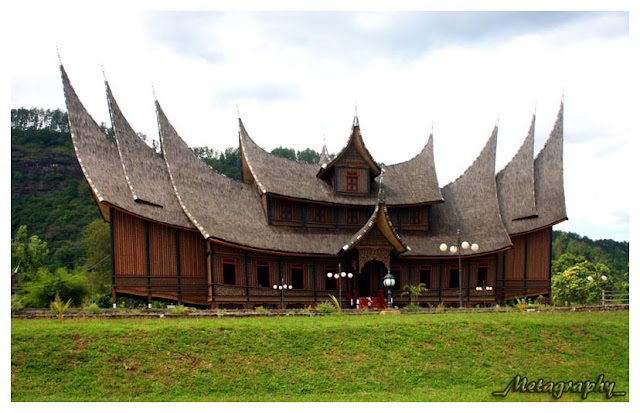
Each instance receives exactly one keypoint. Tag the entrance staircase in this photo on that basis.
(375, 303)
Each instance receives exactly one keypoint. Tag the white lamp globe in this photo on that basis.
(290, 286)
(350, 275)
(336, 276)
(279, 287)
(453, 249)
(465, 245)
(343, 274)
(275, 287)
(443, 247)
(478, 288)
(604, 278)
(330, 274)
(474, 247)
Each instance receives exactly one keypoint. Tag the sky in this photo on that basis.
(297, 78)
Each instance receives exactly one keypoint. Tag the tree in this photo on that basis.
(414, 291)
(308, 156)
(288, 153)
(30, 253)
(96, 241)
(579, 284)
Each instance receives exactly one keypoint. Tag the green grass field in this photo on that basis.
(427, 357)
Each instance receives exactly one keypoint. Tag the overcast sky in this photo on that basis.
(297, 78)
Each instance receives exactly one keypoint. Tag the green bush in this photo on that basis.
(91, 308)
(43, 290)
(261, 310)
(179, 309)
(16, 304)
(413, 306)
(326, 307)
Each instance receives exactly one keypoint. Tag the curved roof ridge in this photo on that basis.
(131, 146)
(549, 182)
(101, 165)
(471, 206)
(516, 183)
(414, 181)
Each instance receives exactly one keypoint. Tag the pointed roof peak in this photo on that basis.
(356, 122)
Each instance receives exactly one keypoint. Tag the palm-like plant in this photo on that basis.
(60, 308)
(414, 291)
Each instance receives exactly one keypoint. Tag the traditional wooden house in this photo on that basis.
(184, 233)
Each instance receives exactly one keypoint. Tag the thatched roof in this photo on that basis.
(470, 205)
(280, 176)
(144, 170)
(549, 186)
(516, 186)
(414, 181)
(101, 165)
(410, 182)
(231, 211)
(356, 142)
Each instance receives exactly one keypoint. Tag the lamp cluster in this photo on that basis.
(454, 248)
(339, 274)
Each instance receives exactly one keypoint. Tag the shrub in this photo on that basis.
(91, 308)
(413, 306)
(261, 310)
(59, 308)
(325, 307)
(16, 304)
(179, 309)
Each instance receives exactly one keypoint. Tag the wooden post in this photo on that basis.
(526, 254)
(315, 285)
(210, 275)
(469, 282)
(114, 296)
(148, 259)
(178, 272)
(246, 275)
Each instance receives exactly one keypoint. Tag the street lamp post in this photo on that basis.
(338, 276)
(460, 245)
(388, 281)
(604, 279)
(282, 287)
(484, 289)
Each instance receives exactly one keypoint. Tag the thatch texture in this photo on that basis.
(228, 210)
(516, 186)
(470, 205)
(549, 186)
(98, 157)
(276, 175)
(411, 182)
(414, 181)
(144, 170)
(356, 143)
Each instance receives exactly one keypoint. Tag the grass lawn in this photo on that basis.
(427, 357)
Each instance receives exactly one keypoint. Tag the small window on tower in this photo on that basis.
(415, 216)
(352, 182)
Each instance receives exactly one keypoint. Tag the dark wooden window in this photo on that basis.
(264, 271)
(297, 276)
(352, 182)
(397, 272)
(330, 283)
(229, 271)
(415, 216)
(454, 277)
(286, 211)
(425, 276)
(320, 215)
(483, 272)
(352, 217)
